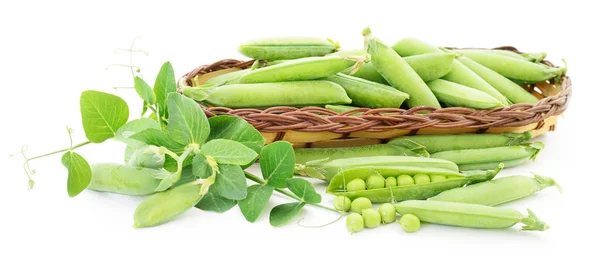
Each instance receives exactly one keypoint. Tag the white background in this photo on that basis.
(50, 51)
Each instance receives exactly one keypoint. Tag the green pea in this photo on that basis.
(455, 94)
(304, 155)
(227, 78)
(390, 182)
(387, 212)
(356, 185)
(375, 182)
(398, 72)
(404, 180)
(355, 222)
(422, 179)
(342, 203)
(298, 70)
(369, 94)
(282, 48)
(372, 218)
(164, 206)
(444, 142)
(469, 158)
(262, 95)
(436, 178)
(124, 179)
(410, 223)
(360, 203)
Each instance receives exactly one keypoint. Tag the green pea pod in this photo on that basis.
(493, 164)
(124, 179)
(454, 179)
(428, 66)
(508, 154)
(228, 78)
(341, 108)
(164, 206)
(459, 73)
(497, 191)
(302, 69)
(514, 68)
(369, 94)
(304, 155)
(329, 169)
(437, 143)
(508, 88)
(468, 215)
(263, 95)
(531, 57)
(455, 94)
(287, 48)
(398, 72)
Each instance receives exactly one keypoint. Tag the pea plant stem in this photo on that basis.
(258, 180)
(60, 151)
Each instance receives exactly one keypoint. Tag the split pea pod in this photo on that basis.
(421, 188)
(497, 191)
(531, 57)
(455, 94)
(262, 95)
(437, 143)
(124, 179)
(514, 68)
(398, 72)
(304, 155)
(511, 90)
(459, 73)
(369, 94)
(301, 69)
(330, 168)
(164, 206)
(469, 215)
(282, 48)
(429, 66)
(470, 159)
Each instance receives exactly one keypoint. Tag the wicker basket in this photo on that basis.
(320, 127)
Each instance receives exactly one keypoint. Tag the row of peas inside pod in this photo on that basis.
(364, 215)
(310, 71)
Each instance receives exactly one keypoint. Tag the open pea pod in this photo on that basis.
(454, 179)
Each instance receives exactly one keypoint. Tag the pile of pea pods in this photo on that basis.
(442, 179)
(312, 71)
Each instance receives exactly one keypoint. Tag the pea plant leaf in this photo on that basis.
(80, 173)
(171, 164)
(158, 138)
(284, 213)
(256, 200)
(163, 85)
(230, 182)
(187, 122)
(213, 202)
(102, 114)
(186, 176)
(135, 126)
(144, 91)
(237, 129)
(200, 167)
(277, 163)
(304, 190)
(228, 152)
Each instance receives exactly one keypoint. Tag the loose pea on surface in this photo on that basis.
(405, 180)
(355, 223)
(375, 182)
(371, 217)
(360, 203)
(390, 182)
(410, 223)
(356, 185)
(422, 179)
(387, 212)
(436, 178)
(342, 203)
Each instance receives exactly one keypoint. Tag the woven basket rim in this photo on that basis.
(319, 119)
